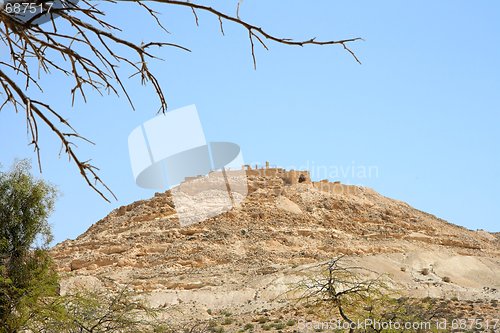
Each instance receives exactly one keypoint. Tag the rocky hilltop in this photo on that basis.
(247, 257)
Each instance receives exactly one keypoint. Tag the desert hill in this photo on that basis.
(246, 259)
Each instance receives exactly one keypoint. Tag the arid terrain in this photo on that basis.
(243, 263)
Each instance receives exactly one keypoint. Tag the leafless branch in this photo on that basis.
(89, 50)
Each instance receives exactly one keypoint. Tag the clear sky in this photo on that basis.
(422, 112)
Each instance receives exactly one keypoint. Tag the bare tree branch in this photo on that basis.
(89, 51)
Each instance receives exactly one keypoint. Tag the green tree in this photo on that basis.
(26, 274)
(29, 287)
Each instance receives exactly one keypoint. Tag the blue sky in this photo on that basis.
(423, 109)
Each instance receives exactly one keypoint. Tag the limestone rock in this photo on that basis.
(247, 257)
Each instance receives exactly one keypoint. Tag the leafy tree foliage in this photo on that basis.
(29, 288)
(26, 274)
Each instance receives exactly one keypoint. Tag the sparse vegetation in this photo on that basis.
(248, 327)
(266, 327)
(216, 329)
(279, 325)
(340, 287)
(347, 293)
(227, 321)
(99, 312)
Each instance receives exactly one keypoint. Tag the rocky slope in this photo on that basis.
(247, 258)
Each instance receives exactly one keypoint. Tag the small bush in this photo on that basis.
(266, 327)
(425, 271)
(219, 329)
(227, 321)
(291, 322)
(248, 326)
(279, 326)
(447, 279)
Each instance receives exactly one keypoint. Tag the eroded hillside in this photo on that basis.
(248, 257)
